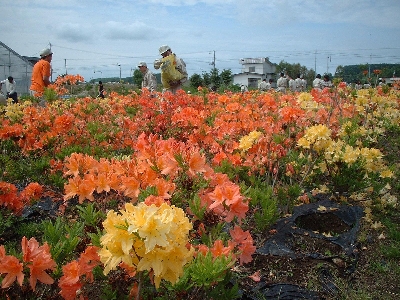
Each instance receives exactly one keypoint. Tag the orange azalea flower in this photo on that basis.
(39, 260)
(63, 123)
(69, 282)
(247, 249)
(219, 250)
(232, 107)
(72, 188)
(87, 261)
(203, 249)
(156, 200)
(130, 186)
(164, 188)
(217, 196)
(167, 164)
(197, 164)
(237, 209)
(73, 164)
(11, 266)
(86, 188)
(102, 183)
(245, 244)
(219, 157)
(33, 191)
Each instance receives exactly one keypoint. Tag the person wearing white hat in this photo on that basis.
(173, 70)
(41, 73)
(149, 80)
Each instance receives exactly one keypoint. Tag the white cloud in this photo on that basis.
(73, 32)
(135, 31)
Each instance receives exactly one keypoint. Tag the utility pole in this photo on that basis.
(327, 64)
(369, 67)
(119, 72)
(213, 62)
(315, 63)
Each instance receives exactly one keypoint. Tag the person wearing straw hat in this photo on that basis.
(41, 73)
(173, 70)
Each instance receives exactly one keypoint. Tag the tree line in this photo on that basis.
(223, 80)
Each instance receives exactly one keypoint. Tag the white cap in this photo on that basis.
(142, 64)
(45, 52)
(163, 49)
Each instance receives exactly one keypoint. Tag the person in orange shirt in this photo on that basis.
(41, 73)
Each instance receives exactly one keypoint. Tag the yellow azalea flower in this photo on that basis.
(246, 142)
(254, 135)
(350, 155)
(316, 137)
(149, 238)
(371, 154)
(303, 142)
(166, 263)
(304, 97)
(386, 174)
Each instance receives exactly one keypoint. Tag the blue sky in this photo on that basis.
(93, 37)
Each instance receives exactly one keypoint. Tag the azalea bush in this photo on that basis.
(162, 196)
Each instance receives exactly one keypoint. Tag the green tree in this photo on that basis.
(206, 79)
(215, 79)
(137, 77)
(196, 81)
(226, 77)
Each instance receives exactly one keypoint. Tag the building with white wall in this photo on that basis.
(17, 66)
(254, 70)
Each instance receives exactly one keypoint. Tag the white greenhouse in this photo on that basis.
(17, 66)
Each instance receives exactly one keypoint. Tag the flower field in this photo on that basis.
(169, 196)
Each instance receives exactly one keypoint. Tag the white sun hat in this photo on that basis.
(163, 49)
(45, 52)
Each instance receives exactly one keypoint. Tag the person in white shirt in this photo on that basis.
(10, 88)
(281, 83)
(358, 85)
(149, 80)
(263, 85)
(317, 83)
(303, 83)
(269, 84)
(326, 82)
(299, 83)
(292, 84)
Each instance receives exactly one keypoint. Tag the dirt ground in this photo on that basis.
(318, 268)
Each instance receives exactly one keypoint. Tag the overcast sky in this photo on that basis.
(93, 37)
